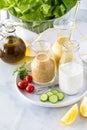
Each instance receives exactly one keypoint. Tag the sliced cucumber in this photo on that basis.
(52, 96)
(53, 99)
(54, 91)
(60, 96)
(49, 93)
(44, 97)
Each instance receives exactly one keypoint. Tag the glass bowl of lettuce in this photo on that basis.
(37, 15)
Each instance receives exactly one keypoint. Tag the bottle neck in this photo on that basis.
(71, 46)
(71, 52)
(10, 30)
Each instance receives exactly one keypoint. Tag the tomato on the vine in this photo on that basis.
(28, 78)
(22, 84)
(30, 88)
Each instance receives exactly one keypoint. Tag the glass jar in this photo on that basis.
(64, 33)
(43, 69)
(57, 51)
(39, 46)
(12, 47)
(71, 69)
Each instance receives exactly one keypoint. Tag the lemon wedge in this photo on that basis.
(70, 116)
(83, 107)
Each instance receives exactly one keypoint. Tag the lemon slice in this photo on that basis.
(83, 107)
(70, 116)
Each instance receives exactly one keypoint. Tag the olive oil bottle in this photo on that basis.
(12, 48)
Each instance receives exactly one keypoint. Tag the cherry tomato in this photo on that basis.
(22, 84)
(30, 88)
(28, 78)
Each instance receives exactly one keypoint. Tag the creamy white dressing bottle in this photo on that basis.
(71, 69)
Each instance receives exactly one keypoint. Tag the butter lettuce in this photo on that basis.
(38, 10)
(34, 13)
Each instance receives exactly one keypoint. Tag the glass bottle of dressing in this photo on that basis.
(43, 69)
(57, 51)
(70, 69)
(12, 48)
(65, 29)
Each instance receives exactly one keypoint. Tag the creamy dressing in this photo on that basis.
(70, 77)
(57, 50)
(43, 68)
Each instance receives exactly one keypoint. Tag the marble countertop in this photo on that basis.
(16, 113)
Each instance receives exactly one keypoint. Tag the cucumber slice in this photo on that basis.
(49, 93)
(60, 96)
(53, 99)
(54, 91)
(44, 97)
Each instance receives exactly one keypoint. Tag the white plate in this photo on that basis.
(33, 98)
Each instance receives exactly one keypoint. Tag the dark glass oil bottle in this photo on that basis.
(13, 48)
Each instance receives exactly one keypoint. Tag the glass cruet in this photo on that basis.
(12, 47)
(71, 69)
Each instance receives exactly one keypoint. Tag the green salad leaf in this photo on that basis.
(7, 4)
(69, 3)
(22, 70)
(38, 10)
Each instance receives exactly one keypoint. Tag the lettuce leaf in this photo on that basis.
(38, 9)
(6, 4)
(69, 3)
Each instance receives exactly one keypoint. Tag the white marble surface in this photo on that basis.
(16, 113)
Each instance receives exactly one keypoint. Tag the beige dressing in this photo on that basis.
(43, 68)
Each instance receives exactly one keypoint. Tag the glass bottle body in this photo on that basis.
(43, 69)
(57, 51)
(71, 69)
(12, 48)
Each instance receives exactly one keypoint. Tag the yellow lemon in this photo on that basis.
(83, 107)
(70, 116)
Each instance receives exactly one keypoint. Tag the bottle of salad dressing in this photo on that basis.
(43, 69)
(57, 51)
(67, 29)
(71, 71)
